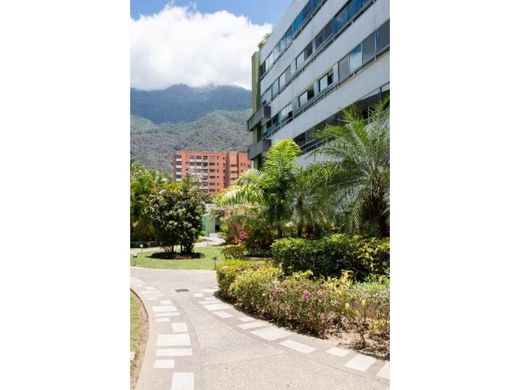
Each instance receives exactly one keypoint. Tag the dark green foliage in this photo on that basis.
(234, 251)
(177, 213)
(330, 255)
(143, 183)
(180, 103)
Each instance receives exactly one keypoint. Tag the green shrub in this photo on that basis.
(367, 309)
(251, 288)
(228, 270)
(234, 251)
(330, 255)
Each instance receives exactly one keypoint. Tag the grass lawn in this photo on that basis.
(138, 334)
(145, 260)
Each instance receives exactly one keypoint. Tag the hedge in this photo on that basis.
(330, 255)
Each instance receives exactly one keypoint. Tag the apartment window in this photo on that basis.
(383, 36)
(326, 80)
(369, 48)
(306, 96)
(178, 170)
(275, 121)
(341, 19)
(274, 88)
(356, 58)
(306, 53)
(354, 6)
(323, 36)
(286, 113)
(266, 97)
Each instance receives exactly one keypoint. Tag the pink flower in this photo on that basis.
(306, 296)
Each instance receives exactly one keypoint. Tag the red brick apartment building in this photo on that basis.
(214, 170)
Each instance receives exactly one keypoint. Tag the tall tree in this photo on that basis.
(177, 212)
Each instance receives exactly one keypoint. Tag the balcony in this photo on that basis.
(258, 148)
(263, 113)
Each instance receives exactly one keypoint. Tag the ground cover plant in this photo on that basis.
(138, 335)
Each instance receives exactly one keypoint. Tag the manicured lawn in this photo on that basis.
(138, 330)
(145, 260)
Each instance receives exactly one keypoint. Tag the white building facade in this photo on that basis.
(323, 56)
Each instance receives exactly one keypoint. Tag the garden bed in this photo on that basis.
(352, 313)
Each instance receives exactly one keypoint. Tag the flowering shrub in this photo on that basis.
(315, 305)
(251, 288)
(330, 255)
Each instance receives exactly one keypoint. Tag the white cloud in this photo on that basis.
(182, 45)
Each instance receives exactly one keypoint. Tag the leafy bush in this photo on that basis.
(315, 305)
(368, 309)
(228, 270)
(234, 251)
(251, 288)
(330, 255)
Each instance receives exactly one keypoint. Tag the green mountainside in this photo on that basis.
(180, 103)
(153, 144)
(181, 117)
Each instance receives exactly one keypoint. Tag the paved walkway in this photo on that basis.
(198, 342)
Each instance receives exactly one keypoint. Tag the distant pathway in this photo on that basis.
(196, 341)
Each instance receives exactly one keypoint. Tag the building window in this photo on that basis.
(323, 36)
(369, 48)
(383, 36)
(306, 96)
(305, 54)
(353, 7)
(356, 58)
(326, 80)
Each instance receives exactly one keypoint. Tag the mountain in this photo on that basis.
(180, 103)
(153, 144)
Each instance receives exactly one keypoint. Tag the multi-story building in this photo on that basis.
(323, 56)
(214, 170)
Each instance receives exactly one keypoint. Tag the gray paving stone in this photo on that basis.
(296, 346)
(198, 295)
(341, 352)
(179, 327)
(171, 314)
(246, 319)
(252, 325)
(223, 314)
(163, 309)
(169, 352)
(174, 340)
(165, 302)
(183, 381)
(271, 333)
(164, 363)
(384, 372)
(360, 362)
(163, 319)
(217, 306)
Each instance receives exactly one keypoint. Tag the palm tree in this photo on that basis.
(358, 151)
(314, 204)
(270, 189)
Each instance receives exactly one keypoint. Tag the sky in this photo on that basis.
(198, 42)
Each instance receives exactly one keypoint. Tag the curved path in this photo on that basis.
(198, 342)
